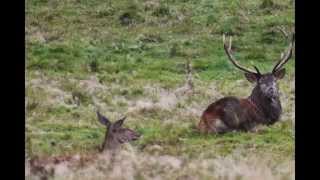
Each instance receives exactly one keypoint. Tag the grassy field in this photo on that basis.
(128, 58)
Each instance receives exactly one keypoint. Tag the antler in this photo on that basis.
(282, 30)
(285, 57)
(227, 49)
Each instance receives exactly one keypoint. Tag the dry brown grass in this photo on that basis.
(130, 164)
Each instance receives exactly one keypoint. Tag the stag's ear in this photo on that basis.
(119, 123)
(103, 120)
(251, 77)
(280, 73)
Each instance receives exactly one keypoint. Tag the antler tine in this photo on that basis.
(231, 58)
(230, 44)
(285, 58)
(255, 67)
(281, 29)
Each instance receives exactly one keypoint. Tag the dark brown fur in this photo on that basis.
(244, 114)
(239, 114)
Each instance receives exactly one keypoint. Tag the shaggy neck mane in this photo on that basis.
(270, 108)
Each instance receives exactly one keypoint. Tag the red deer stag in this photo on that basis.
(244, 114)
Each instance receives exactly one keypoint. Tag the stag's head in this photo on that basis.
(116, 134)
(265, 83)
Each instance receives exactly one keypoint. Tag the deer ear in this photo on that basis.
(279, 74)
(252, 77)
(119, 123)
(103, 120)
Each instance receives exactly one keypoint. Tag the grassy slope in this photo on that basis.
(76, 45)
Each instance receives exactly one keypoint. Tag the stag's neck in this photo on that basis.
(270, 108)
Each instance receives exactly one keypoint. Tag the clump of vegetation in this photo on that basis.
(32, 105)
(267, 4)
(161, 11)
(94, 65)
(80, 96)
(175, 50)
(211, 19)
(131, 15)
(151, 38)
(231, 26)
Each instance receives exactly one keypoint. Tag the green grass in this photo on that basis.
(175, 140)
(69, 42)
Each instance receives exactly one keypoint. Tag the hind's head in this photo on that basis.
(116, 134)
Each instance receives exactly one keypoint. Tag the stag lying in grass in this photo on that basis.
(244, 114)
